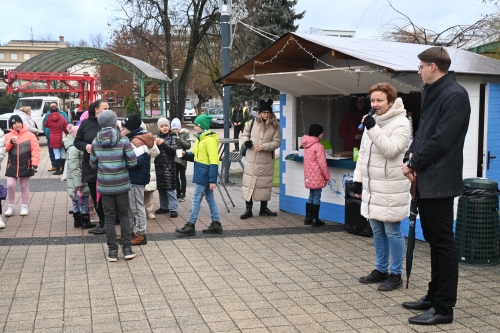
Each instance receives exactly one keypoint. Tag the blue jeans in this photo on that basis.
(59, 153)
(168, 200)
(315, 196)
(51, 155)
(199, 192)
(80, 206)
(388, 238)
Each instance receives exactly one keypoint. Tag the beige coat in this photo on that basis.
(386, 190)
(259, 166)
(153, 152)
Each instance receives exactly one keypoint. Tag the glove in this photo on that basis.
(248, 144)
(79, 193)
(369, 122)
(358, 187)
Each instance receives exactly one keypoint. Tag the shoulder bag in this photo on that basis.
(243, 150)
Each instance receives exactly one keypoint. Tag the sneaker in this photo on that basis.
(24, 210)
(128, 253)
(173, 214)
(113, 255)
(375, 276)
(151, 216)
(392, 282)
(214, 228)
(182, 198)
(187, 230)
(10, 210)
(162, 211)
(2, 223)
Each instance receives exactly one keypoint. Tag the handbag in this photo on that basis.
(243, 150)
(3, 193)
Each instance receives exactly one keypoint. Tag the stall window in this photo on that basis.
(27, 56)
(2, 56)
(13, 56)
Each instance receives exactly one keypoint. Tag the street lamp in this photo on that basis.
(176, 79)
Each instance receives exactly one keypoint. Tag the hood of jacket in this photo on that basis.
(396, 110)
(108, 137)
(184, 130)
(55, 118)
(141, 137)
(308, 141)
(69, 142)
(208, 135)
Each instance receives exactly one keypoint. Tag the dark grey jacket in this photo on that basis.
(439, 142)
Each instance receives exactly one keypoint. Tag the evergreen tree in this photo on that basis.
(7, 103)
(276, 17)
(132, 107)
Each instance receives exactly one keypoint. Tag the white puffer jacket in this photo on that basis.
(153, 152)
(386, 190)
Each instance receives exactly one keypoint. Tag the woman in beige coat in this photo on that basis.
(264, 139)
(385, 190)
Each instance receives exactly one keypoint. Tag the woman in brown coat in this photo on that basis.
(262, 137)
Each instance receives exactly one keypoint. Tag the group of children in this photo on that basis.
(124, 159)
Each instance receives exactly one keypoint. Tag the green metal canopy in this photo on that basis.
(60, 60)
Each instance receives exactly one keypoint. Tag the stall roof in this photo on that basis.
(395, 57)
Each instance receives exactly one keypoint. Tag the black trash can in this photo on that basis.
(477, 230)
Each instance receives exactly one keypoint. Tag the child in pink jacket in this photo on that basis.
(316, 174)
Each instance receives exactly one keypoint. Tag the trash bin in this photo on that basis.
(477, 230)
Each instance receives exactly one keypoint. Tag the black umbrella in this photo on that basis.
(411, 233)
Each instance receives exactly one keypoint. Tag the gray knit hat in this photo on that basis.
(107, 118)
(163, 121)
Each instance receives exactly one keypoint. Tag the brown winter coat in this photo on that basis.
(259, 166)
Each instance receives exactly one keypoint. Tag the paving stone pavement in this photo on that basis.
(262, 275)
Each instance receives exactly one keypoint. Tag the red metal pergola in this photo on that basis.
(86, 89)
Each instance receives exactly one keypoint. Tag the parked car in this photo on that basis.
(276, 110)
(189, 111)
(217, 116)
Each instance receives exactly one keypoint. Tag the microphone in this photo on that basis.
(370, 113)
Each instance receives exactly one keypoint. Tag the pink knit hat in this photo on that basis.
(73, 131)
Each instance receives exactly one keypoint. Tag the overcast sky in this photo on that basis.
(79, 19)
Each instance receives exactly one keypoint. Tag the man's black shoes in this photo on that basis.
(430, 317)
(421, 304)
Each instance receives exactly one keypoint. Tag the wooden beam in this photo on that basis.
(340, 55)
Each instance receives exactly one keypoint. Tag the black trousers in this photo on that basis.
(97, 205)
(236, 132)
(436, 217)
(180, 179)
(117, 206)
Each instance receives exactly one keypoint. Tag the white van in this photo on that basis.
(39, 106)
(276, 110)
(189, 111)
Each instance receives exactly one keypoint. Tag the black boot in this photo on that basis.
(58, 167)
(248, 211)
(316, 222)
(264, 211)
(309, 218)
(77, 218)
(63, 162)
(86, 224)
(99, 230)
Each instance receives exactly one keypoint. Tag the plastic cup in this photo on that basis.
(178, 152)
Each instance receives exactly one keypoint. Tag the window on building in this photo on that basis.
(2, 56)
(27, 56)
(13, 56)
(2, 73)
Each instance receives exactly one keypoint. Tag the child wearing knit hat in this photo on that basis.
(316, 174)
(112, 155)
(183, 136)
(165, 168)
(206, 166)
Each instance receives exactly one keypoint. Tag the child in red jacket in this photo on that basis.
(316, 174)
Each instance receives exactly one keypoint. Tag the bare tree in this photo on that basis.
(97, 40)
(482, 31)
(181, 24)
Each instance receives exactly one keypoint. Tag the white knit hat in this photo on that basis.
(176, 123)
(163, 121)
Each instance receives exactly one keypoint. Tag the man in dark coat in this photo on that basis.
(434, 162)
(239, 116)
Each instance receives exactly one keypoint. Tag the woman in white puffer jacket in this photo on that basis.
(385, 190)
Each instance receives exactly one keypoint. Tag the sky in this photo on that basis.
(77, 20)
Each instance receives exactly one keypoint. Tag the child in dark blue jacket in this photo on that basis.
(142, 141)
